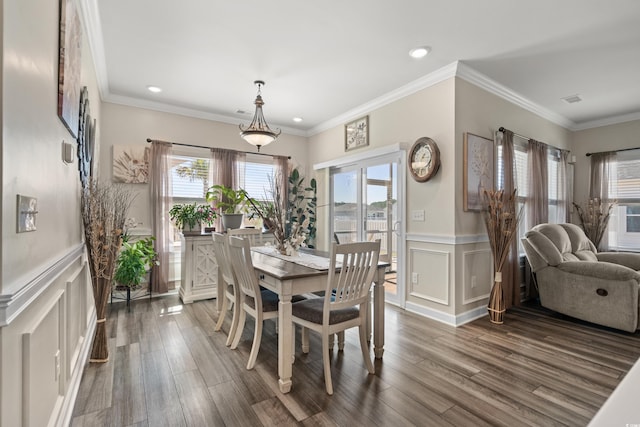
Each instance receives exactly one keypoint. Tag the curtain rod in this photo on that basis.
(613, 151)
(149, 140)
(502, 129)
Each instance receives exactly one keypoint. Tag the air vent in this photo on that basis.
(572, 99)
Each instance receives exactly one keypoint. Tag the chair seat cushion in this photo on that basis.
(311, 311)
(269, 301)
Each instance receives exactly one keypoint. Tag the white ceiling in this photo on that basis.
(327, 61)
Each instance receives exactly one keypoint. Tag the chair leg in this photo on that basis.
(305, 340)
(221, 314)
(327, 363)
(332, 340)
(257, 337)
(234, 323)
(240, 328)
(365, 349)
(340, 340)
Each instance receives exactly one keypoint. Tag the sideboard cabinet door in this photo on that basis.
(199, 269)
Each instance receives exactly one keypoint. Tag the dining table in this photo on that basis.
(304, 273)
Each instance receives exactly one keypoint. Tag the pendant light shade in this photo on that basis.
(258, 132)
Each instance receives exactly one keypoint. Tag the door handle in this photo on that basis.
(396, 228)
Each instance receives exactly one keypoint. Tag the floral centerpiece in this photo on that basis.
(190, 217)
(593, 219)
(501, 219)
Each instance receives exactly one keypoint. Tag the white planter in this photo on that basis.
(192, 231)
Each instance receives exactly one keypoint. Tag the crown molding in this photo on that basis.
(90, 17)
(430, 79)
(188, 112)
(608, 121)
(478, 79)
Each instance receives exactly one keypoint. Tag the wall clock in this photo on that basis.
(424, 159)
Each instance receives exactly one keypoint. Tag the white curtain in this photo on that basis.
(161, 200)
(537, 205)
(602, 174)
(228, 170)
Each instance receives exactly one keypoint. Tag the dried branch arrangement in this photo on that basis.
(501, 218)
(593, 219)
(104, 212)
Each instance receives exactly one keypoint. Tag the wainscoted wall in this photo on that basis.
(47, 329)
(449, 277)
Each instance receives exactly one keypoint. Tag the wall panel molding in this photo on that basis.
(425, 254)
(12, 304)
(36, 375)
(447, 239)
(466, 270)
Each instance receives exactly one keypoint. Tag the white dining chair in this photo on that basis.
(253, 234)
(259, 304)
(231, 297)
(345, 302)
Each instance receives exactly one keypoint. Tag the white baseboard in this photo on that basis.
(449, 319)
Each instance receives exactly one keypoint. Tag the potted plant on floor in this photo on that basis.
(190, 217)
(230, 202)
(134, 262)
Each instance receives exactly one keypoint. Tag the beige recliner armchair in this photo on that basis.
(576, 280)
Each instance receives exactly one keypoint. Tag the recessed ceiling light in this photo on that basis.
(297, 119)
(154, 89)
(419, 52)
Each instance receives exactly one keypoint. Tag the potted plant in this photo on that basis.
(134, 261)
(230, 202)
(190, 217)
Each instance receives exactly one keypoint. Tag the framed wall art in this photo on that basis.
(478, 170)
(131, 164)
(356, 133)
(70, 44)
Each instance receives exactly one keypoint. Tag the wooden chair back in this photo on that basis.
(351, 284)
(253, 234)
(245, 274)
(221, 251)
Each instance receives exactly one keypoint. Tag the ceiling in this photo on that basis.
(330, 61)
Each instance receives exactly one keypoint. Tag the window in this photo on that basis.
(258, 173)
(190, 178)
(555, 177)
(624, 186)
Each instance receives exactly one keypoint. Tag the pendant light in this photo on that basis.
(258, 132)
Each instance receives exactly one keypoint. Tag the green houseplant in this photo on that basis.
(134, 261)
(230, 202)
(189, 217)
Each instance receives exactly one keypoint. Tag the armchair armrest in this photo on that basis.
(600, 270)
(628, 259)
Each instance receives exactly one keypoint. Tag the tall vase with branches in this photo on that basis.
(104, 212)
(501, 218)
(594, 218)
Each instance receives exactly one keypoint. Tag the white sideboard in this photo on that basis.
(199, 276)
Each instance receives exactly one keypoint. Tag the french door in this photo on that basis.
(367, 204)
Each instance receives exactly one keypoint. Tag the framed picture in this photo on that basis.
(70, 45)
(356, 133)
(131, 164)
(479, 161)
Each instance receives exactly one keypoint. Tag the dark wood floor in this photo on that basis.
(168, 367)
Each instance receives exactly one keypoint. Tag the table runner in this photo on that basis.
(308, 260)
